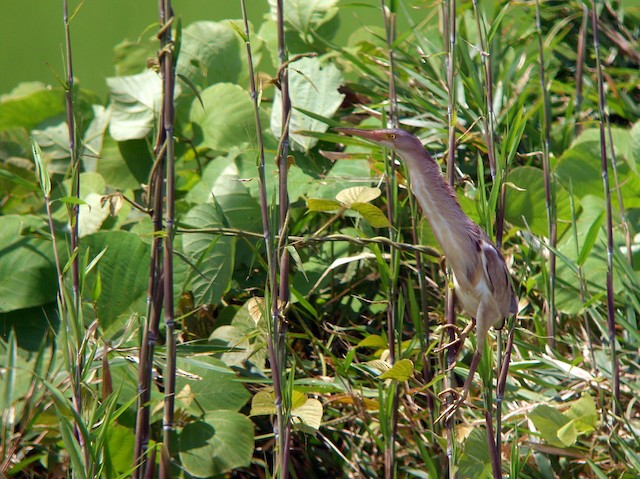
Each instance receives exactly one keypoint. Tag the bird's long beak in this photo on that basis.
(371, 135)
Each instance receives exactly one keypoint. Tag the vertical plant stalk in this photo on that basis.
(549, 197)
(618, 186)
(155, 297)
(168, 120)
(582, 282)
(580, 62)
(449, 36)
(489, 118)
(277, 349)
(495, 460)
(72, 315)
(495, 446)
(389, 17)
(264, 207)
(611, 320)
(75, 166)
(268, 240)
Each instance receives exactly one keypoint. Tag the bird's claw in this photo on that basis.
(460, 398)
(451, 409)
(444, 347)
(450, 392)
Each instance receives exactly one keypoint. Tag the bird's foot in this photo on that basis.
(458, 341)
(450, 410)
(461, 336)
(458, 400)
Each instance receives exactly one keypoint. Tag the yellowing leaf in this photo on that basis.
(297, 399)
(378, 364)
(568, 434)
(373, 341)
(308, 417)
(357, 194)
(372, 214)
(262, 404)
(256, 307)
(369, 403)
(400, 371)
(316, 204)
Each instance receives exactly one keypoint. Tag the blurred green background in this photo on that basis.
(32, 33)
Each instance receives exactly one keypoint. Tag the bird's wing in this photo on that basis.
(497, 275)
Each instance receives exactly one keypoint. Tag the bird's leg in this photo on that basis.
(461, 337)
(461, 397)
(485, 311)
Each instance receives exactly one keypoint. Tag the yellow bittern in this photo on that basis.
(480, 274)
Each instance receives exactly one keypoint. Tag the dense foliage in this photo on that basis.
(69, 372)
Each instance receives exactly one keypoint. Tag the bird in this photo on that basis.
(480, 275)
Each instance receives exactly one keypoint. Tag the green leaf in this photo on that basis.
(373, 341)
(222, 184)
(71, 200)
(549, 421)
(123, 271)
(316, 204)
(304, 15)
(93, 140)
(41, 169)
(211, 52)
(19, 180)
(580, 166)
(372, 214)
(313, 87)
(590, 239)
(135, 105)
(212, 385)
(125, 165)
(568, 434)
(584, 414)
(29, 104)
(120, 446)
(635, 147)
(53, 138)
(211, 255)
(131, 57)
(475, 462)
(400, 371)
(227, 119)
(27, 268)
(220, 442)
(527, 200)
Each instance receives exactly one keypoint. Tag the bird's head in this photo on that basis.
(402, 142)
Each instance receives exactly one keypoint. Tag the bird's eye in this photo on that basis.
(392, 136)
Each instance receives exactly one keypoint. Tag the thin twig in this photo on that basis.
(74, 219)
(300, 241)
(580, 62)
(611, 320)
(548, 187)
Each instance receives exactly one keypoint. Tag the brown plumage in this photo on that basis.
(480, 273)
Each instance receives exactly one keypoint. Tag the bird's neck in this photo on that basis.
(452, 228)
